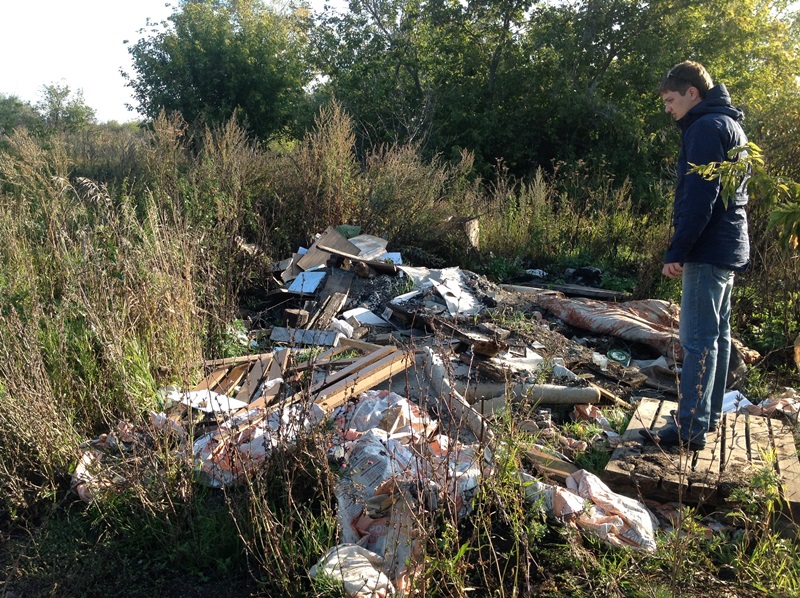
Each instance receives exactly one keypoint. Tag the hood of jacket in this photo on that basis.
(717, 101)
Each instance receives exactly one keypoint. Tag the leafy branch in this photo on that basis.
(746, 167)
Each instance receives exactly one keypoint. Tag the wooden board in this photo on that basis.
(338, 281)
(317, 257)
(570, 290)
(232, 379)
(211, 381)
(379, 267)
(549, 464)
(743, 445)
(394, 363)
(235, 360)
(788, 465)
(329, 309)
(253, 378)
(359, 365)
(292, 271)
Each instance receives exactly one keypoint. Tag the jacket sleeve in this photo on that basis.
(694, 201)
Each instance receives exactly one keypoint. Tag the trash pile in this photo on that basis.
(412, 366)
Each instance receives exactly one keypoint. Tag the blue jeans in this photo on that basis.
(705, 334)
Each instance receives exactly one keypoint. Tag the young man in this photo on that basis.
(709, 243)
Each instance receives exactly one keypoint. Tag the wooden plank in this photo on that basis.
(380, 267)
(235, 360)
(281, 357)
(211, 381)
(760, 445)
(321, 363)
(274, 373)
(788, 464)
(316, 256)
(328, 354)
(645, 417)
(279, 364)
(335, 395)
(352, 343)
(675, 472)
(232, 379)
(674, 467)
(327, 357)
(621, 469)
(708, 475)
(338, 281)
(293, 270)
(735, 457)
(707, 462)
(362, 363)
(329, 310)
(703, 475)
(253, 378)
(550, 464)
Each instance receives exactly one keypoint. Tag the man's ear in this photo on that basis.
(693, 92)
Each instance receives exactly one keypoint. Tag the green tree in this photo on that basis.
(16, 113)
(538, 83)
(215, 58)
(757, 54)
(371, 60)
(63, 110)
(427, 71)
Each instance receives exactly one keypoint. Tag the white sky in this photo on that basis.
(78, 43)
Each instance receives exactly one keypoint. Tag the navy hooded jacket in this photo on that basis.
(704, 231)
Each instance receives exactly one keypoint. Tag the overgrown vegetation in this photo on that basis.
(111, 291)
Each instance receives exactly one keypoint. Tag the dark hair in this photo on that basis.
(684, 75)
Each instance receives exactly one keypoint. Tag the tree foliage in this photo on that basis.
(538, 83)
(214, 58)
(15, 113)
(64, 110)
(429, 71)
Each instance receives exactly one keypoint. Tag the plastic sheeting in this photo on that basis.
(651, 322)
(588, 504)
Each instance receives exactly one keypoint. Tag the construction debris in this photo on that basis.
(374, 348)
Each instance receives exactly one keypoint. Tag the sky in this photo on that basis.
(77, 43)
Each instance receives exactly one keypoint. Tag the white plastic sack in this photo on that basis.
(617, 519)
(358, 569)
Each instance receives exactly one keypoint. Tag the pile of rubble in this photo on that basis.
(413, 366)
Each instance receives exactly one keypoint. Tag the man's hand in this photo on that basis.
(672, 270)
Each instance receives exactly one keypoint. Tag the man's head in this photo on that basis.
(685, 86)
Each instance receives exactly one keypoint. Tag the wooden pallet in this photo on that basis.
(744, 445)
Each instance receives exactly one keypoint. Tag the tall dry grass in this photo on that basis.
(99, 306)
(111, 290)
